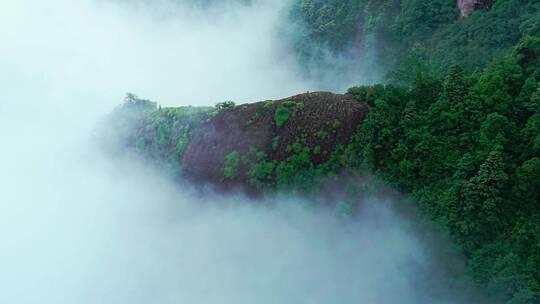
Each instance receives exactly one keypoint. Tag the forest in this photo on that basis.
(433, 30)
(467, 150)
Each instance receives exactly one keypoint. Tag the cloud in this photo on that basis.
(172, 53)
(86, 230)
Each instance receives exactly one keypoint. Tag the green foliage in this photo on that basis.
(528, 179)
(321, 134)
(532, 105)
(531, 132)
(275, 142)
(328, 22)
(261, 173)
(133, 101)
(161, 134)
(296, 172)
(393, 29)
(141, 143)
(336, 124)
(455, 88)
(281, 116)
(225, 105)
(300, 105)
(293, 105)
(125, 118)
(418, 19)
(494, 132)
(232, 160)
(263, 108)
(469, 155)
(182, 144)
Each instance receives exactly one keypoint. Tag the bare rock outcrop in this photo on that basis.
(319, 119)
(466, 7)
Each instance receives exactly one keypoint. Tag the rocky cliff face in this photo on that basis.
(271, 131)
(466, 7)
(248, 145)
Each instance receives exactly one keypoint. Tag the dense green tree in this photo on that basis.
(482, 204)
(528, 179)
(532, 105)
(495, 132)
(531, 133)
(394, 28)
(470, 156)
(455, 87)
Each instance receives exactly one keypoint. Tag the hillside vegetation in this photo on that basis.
(392, 29)
(467, 149)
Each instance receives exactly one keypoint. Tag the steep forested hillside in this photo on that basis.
(468, 150)
(455, 127)
(392, 29)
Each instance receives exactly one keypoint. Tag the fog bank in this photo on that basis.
(163, 50)
(78, 228)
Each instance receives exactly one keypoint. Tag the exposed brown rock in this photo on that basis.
(253, 126)
(466, 7)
